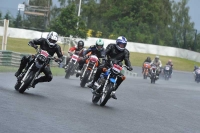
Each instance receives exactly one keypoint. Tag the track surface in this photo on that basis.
(61, 106)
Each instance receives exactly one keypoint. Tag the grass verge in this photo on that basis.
(20, 45)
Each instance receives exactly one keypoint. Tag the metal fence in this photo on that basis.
(9, 58)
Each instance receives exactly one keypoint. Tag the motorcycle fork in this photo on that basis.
(91, 71)
(27, 73)
(106, 82)
(85, 69)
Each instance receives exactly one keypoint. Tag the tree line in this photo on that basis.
(159, 22)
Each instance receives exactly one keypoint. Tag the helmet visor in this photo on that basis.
(122, 45)
(52, 41)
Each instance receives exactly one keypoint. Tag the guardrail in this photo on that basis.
(9, 58)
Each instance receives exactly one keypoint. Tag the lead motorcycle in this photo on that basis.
(89, 69)
(106, 83)
(32, 70)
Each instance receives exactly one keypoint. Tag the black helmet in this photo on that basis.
(196, 67)
(80, 45)
(148, 59)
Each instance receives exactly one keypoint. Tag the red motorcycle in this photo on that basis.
(89, 70)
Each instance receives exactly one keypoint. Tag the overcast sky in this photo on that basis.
(11, 5)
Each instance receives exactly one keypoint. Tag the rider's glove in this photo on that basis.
(130, 68)
(35, 46)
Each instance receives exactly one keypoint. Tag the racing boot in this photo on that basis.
(113, 95)
(19, 71)
(90, 85)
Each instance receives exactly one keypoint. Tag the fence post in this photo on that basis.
(4, 40)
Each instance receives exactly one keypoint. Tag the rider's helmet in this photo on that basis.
(196, 67)
(99, 44)
(52, 38)
(121, 43)
(169, 61)
(80, 45)
(148, 59)
(157, 58)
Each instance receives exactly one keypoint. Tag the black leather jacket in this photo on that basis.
(44, 46)
(99, 54)
(112, 53)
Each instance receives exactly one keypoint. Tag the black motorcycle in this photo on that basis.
(106, 83)
(166, 72)
(153, 71)
(32, 70)
(197, 75)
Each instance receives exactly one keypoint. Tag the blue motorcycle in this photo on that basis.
(105, 85)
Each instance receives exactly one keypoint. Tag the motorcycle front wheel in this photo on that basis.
(106, 94)
(25, 84)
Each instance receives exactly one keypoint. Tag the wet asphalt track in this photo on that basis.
(61, 106)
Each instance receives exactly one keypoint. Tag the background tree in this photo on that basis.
(66, 23)
(18, 21)
(183, 29)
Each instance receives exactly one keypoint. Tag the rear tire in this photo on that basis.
(27, 82)
(84, 80)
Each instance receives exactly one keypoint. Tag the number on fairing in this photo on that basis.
(44, 53)
(74, 57)
(117, 68)
(166, 68)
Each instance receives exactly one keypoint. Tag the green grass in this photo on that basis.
(21, 45)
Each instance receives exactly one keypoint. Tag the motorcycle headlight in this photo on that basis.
(41, 58)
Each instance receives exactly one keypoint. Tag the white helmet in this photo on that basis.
(52, 38)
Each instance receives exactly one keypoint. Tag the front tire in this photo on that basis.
(84, 80)
(26, 82)
(106, 95)
(17, 85)
(68, 71)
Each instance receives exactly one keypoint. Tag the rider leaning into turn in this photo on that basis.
(78, 50)
(114, 52)
(97, 50)
(148, 59)
(157, 62)
(48, 44)
(170, 64)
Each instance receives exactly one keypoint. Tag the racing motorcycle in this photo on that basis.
(197, 75)
(89, 69)
(146, 67)
(166, 72)
(32, 70)
(72, 66)
(153, 70)
(103, 88)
